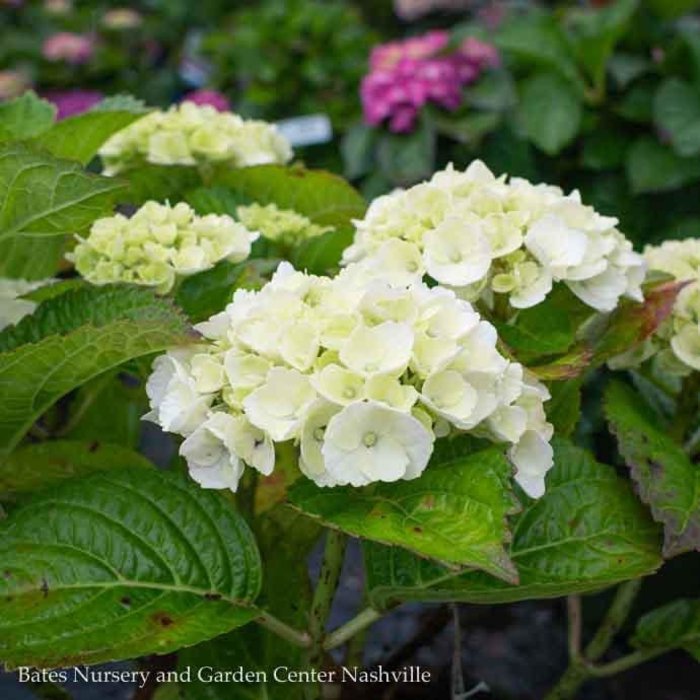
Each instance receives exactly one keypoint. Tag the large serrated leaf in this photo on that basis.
(115, 566)
(672, 626)
(454, 513)
(324, 198)
(45, 464)
(80, 137)
(253, 647)
(72, 338)
(667, 481)
(588, 531)
(45, 196)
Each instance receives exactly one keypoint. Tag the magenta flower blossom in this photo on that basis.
(71, 102)
(406, 75)
(212, 98)
(69, 47)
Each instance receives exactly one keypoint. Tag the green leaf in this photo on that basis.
(45, 196)
(25, 117)
(322, 254)
(454, 513)
(652, 167)
(46, 464)
(494, 91)
(607, 335)
(324, 198)
(667, 481)
(253, 647)
(72, 338)
(677, 112)
(120, 565)
(31, 258)
(80, 137)
(536, 39)
(107, 409)
(158, 182)
(215, 200)
(206, 293)
(357, 148)
(587, 532)
(546, 329)
(470, 128)
(604, 149)
(564, 408)
(625, 68)
(637, 105)
(407, 158)
(596, 32)
(550, 111)
(670, 9)
(672, 626)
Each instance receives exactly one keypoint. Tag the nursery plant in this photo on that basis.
(406, 372)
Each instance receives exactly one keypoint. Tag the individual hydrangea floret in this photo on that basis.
(284, 226)
(157, 244)
(675, 346)
(484, 235)
(361, 375)
(192, 134)
(12, 307)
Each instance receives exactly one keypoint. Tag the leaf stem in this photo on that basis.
(358, 623)
(283, 630)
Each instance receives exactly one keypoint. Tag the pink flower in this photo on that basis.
(405, 75)
(208, 97)
(69, 47)
(71, 102)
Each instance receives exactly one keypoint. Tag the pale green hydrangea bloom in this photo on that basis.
(157, 244)
(190, 134)
(675, 346)
(12, 307)
(362, 376)
(284, 226)
(480, 235)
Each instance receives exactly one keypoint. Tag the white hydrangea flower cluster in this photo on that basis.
(12, 307)
(363, 376)
(481, 235)
(157, 244)
(676, 344)
(190, 134)
(284, 226)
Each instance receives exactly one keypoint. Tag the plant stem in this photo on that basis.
(283, 630)
(626, 662)
(358, 623)
(328, 577)
(574, 612)
(581, 666)
(614, 619)
(331, 566)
